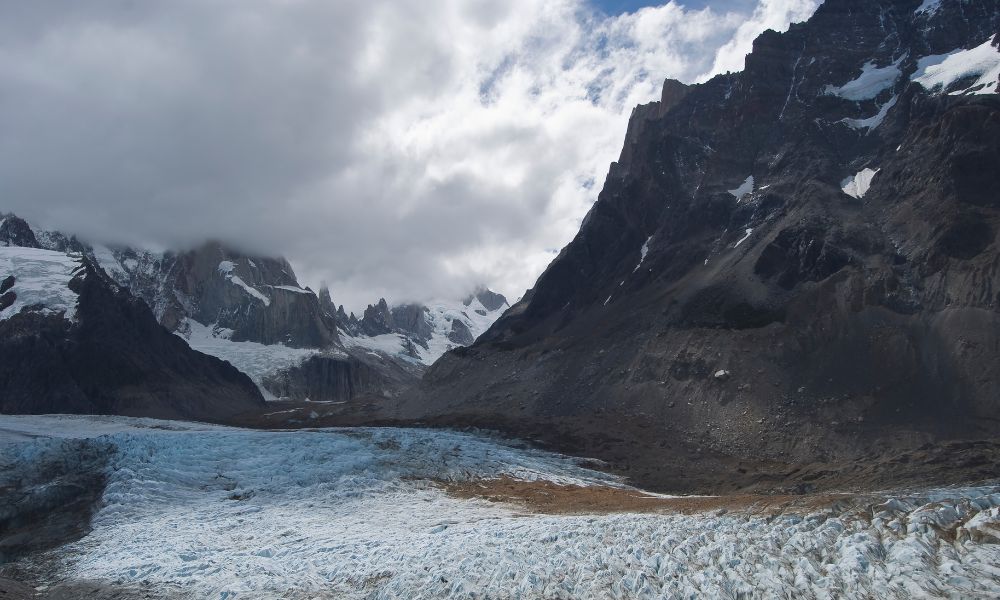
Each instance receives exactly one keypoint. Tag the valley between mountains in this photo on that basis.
(768, 365)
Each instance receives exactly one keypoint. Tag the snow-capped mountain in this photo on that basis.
(73, 341)
(252, 312)
(424, 332)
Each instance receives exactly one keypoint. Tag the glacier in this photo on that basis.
(205, 511)
(41, 280)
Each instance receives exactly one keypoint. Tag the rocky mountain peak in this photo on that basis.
(15, 231)
(489, 299)
(377, 319)
(766, 225)
(673, 92)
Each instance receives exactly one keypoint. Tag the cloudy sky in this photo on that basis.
(388, 147)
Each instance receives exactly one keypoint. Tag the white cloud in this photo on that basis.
(390, 148)
(769, 14)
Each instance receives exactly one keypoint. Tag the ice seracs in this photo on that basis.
(938, 73)
(857, 185)
(40, 280)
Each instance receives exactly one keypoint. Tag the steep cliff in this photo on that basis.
(790, 276)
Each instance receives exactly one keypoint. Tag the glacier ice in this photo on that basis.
(349, 513)
(41, 278)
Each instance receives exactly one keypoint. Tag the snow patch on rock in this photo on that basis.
(873, 121)
(744, 189)
(749, 232)
(226, 269)
(858, 184)
(869, 84)
(290, 288)
(642, 254)
(939, 72)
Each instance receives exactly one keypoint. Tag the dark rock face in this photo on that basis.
(849, 327)
(51, 503)
(114, 358)
(7, 299)
(258, 298)
(800, 254)
(460, 333)
(411, 319)
(14, 231)
(377, 319)
(327, 307)
(327, 378)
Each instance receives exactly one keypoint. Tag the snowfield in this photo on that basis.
(212, 512)
(257, 361)
(440, 315)
(940, 72)
(41, 280)
(869, 84)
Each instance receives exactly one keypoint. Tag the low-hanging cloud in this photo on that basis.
(387, 147)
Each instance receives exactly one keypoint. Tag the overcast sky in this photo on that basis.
(388, 147)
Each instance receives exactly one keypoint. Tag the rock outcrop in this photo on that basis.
(14, 231)
(258, 298)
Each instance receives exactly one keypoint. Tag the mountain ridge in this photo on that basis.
(728, 315)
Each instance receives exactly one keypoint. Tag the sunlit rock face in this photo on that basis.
(821, 225)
